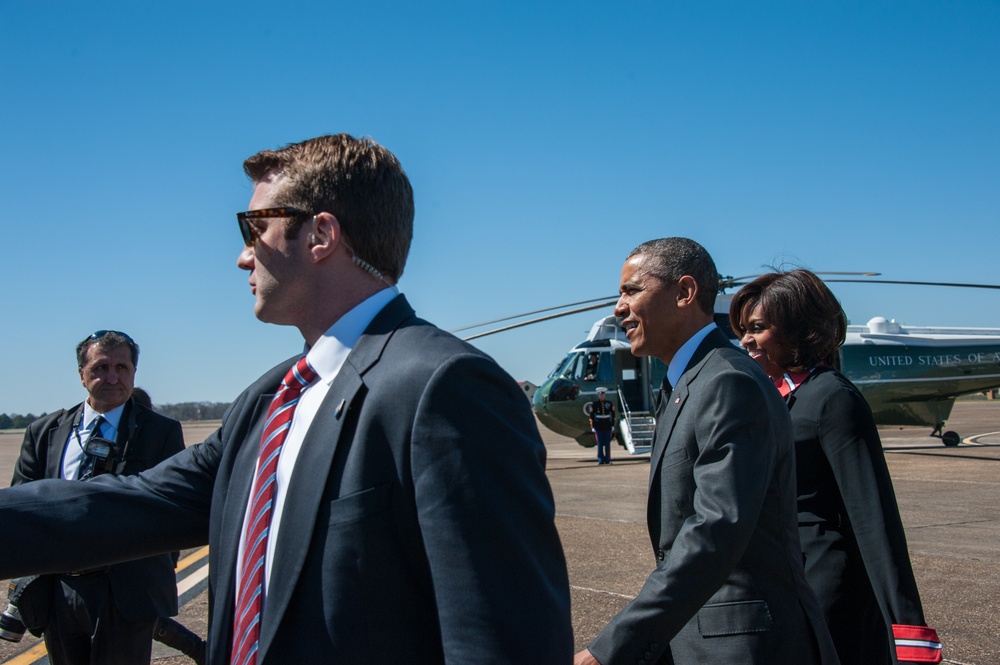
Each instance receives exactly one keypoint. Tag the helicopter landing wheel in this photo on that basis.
(951, 439)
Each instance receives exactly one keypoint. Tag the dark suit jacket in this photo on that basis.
(418, 525)
(852, 536)
(145, 589)
(728, 586)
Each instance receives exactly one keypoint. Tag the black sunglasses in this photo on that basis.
(249, 233)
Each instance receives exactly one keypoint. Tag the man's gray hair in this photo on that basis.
(669, 259)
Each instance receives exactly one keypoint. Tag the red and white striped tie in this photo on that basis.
(250, 595)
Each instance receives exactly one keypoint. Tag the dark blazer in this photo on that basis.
(728, 586)
(145, 589)
(419, 525)
(855, 549)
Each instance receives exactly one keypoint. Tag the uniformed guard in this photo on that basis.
(602, 424)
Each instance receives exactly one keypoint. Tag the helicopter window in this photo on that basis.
(568, 366)
(628, 375)
(598, 367)
(586, 366)
(557, 370)
(578, 369)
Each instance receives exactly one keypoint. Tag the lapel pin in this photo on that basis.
(340, 408)
(677, 401)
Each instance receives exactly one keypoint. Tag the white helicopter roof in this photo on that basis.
(609, 332)
(881, 330)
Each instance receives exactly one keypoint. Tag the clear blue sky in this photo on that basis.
(543, 140)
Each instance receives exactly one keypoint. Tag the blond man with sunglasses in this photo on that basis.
(379, 497)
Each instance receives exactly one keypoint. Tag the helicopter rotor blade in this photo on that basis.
(900, 281)
(728, 282)
(537, 311)
(541, 318)
(733, 281)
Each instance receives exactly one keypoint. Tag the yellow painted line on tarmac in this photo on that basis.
(36, 652)
(29, 656)
(192, 559)
(191, 580)
(197, 576)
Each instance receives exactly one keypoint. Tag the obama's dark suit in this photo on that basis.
(728, 586)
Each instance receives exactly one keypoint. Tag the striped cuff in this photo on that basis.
(916, 644)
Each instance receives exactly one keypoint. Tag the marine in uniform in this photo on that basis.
(602, 424)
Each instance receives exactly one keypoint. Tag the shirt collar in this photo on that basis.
(112, 417)
(330, 351)
(789, 381)
(684, 354)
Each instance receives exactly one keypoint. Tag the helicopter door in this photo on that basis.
(630, 378)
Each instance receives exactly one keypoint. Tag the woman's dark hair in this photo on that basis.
(807, 317)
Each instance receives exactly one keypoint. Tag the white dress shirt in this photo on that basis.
(326, 356)
(73, 450)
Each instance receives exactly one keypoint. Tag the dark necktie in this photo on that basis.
(88, 461)
(664, 399)
(250, 595)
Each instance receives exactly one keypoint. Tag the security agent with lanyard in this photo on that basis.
(104, 615)
(602, 424)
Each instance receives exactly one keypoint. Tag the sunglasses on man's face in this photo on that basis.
(250, 233)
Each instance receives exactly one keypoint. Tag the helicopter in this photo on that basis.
(910, 375)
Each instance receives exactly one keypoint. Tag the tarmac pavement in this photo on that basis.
(949, 499)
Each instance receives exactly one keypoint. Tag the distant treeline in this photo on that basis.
(17, 421)
(193, 410)
(183, 412)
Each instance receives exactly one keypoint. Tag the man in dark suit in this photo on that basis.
(728, 586)
(405, 516)
(103, 614)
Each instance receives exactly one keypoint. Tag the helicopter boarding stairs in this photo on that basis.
(636, 428)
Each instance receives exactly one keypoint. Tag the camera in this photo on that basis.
(100, 458)
(100, 447)
(28, 600)
(11, 626)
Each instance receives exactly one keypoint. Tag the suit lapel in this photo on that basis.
(668, 413)
(238, 494)
(128, 429)
(123, 434)
(57, 441)
(308, 483)
(302, 502)
(666, 418)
